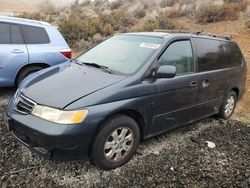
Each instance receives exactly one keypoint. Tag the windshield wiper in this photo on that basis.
(107, 69)
(97, 66)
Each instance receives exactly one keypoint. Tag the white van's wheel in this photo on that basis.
(26, 72)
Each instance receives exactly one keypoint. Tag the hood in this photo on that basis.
(62, 85)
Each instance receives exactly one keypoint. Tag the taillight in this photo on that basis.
(67, 53)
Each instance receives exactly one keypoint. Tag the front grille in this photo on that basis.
(23, 104)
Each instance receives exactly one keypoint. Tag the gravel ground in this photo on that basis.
(180, 158)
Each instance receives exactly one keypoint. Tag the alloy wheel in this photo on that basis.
(118, 144)
(229, 107)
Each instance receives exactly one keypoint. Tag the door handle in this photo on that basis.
(17, 51)
(193, 84)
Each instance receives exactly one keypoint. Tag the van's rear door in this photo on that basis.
(212, 74)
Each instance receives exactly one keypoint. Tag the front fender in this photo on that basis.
(99, 113)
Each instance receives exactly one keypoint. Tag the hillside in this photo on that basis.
(28, 5)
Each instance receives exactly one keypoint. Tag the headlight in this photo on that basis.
(60, 116)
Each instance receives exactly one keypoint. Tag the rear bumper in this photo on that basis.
(50, 140)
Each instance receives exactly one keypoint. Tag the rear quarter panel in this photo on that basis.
(48, 53)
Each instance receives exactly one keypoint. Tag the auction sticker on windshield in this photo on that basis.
(150, 45)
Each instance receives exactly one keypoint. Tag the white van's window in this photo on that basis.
(179, 54)
(35, 35)
(4, 33)
(16, 35)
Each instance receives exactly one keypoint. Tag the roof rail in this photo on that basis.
(24, 19)
(196, 32)
(179, 31)
(227, 37)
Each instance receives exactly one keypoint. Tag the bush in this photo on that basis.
(139, 13)
(242, 5)
(98, 2)
(181, 13)
(83, 45)
(77, 29)
(34, 16)
(85, 2)
(233, 1)
(167, 3)
(213, 13)
(162, 22)
(174, 13)
(228, 11)
(246, 13)
(115, 4)
(209, 14)
(170, 3)
(47, 7)
(247, 24)
(118, 19)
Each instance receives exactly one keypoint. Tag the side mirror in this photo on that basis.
(166, 71)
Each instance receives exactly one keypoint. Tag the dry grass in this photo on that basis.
(214, 13)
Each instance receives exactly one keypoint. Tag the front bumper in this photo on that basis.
(50, 140)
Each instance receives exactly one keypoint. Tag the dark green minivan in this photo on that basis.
(128, 88)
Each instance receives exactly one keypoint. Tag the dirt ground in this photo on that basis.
(180, 158)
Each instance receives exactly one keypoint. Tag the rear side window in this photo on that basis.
(10, 34)
(4, 34)
(210, 54)
(179, 54)
(16, 35)
(35, 35)
(233, 54)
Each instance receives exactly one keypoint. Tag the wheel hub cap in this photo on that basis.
(229, 106)
(118, 144)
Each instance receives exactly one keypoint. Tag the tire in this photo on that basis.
(228, 105)
(26, 72)
(117, 152)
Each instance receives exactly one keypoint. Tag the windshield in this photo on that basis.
(123, 53)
